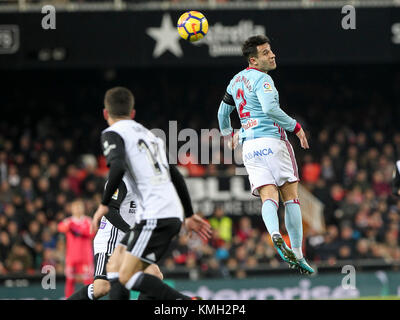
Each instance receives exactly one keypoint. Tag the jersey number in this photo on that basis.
(240, 94)
(152, 156)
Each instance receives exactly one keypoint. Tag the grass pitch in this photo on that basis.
(378, 298)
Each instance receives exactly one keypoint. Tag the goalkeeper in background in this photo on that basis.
(79, 251)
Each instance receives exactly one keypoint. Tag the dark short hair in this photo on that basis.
(249, 47)
(119, 102)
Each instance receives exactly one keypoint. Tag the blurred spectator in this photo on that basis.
(19, 260)
(5, 246)
(6, 194)
(222, 224)
(327, 170)
(379, 185)
(329, 248)
(311, 170)
(191, 163)
(363, 249)
(244, 229)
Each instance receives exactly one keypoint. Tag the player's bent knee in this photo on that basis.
(154, 270)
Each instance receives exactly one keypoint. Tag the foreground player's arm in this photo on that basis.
(114, 206)
(225, 109)
(116, 219)
(114, 151)
(181, 188)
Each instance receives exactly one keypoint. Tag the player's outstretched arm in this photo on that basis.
(182, 190)
(114, 151)
(197, 224)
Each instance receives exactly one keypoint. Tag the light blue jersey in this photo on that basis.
(257, 102)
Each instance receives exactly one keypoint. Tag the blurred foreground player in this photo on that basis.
(79, 251)
(121, 216)
(267, 154)
(132, 151)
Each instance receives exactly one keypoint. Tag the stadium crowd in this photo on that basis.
(49, 158)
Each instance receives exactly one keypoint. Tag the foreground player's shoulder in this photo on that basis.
(238, 77)
(231, 83)
(112, 142)
(110, 135)
(112, 130)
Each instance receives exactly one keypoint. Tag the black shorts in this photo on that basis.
(150, 239)
(100, 261)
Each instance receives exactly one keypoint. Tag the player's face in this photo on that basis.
(266, 58)
(77, 208)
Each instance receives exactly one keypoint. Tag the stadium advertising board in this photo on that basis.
(285, 287)
(148, 38)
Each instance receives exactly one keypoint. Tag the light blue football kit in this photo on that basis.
(257, 102)
(256, 99)
(267, 153)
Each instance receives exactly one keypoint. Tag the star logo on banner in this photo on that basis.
(166, 37)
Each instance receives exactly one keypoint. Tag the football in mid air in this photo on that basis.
(192, 26)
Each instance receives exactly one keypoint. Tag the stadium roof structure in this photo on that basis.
(148, 5)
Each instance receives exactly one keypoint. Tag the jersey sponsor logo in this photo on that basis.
(108, 147)
(267, 87)
(258, 153)
(250, 124)
(115, 195)
(132, 207)
(103, 224)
